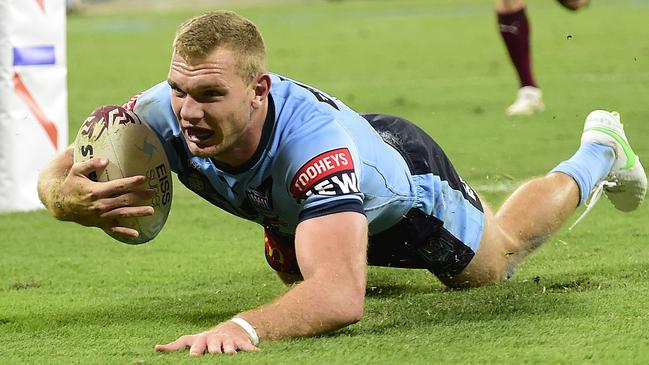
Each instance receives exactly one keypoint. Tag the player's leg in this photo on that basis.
(515, 32)
(604, 161)
(532, 214)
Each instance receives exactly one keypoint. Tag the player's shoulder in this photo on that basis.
(154, 107)
(156, 97)
(296, 95)
(303, 108)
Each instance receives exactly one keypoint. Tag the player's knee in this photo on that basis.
(487, 267)
(500, 252)
(478, 278)
(289, 279)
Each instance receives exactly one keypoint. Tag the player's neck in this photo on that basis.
(248, 142)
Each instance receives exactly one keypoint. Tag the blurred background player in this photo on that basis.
(515, 31)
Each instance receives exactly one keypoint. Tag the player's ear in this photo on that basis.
(261, 88)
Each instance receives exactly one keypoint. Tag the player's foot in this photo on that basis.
(528, 101)
(626, 184)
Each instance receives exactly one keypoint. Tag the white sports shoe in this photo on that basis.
(529, 100)
(626, 184)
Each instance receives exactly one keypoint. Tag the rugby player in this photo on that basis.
(333, 189)
(515, 32)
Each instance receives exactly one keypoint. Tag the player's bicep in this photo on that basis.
(333, 246)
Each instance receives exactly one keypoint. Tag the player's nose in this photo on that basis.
(191, 110)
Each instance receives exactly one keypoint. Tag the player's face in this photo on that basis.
(213, 105)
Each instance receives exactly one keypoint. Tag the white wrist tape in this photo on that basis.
(248, 328)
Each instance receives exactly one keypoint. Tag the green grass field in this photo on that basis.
(69, 294)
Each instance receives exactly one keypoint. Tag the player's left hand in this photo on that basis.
(226, 338)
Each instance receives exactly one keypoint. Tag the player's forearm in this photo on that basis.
(312, 307)
(50, 180)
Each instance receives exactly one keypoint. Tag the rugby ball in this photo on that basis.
(132, 148)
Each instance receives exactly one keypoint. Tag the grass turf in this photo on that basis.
(69, 294)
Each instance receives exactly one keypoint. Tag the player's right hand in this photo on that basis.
(100, 204)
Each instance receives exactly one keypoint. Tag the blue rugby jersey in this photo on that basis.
(316, 157)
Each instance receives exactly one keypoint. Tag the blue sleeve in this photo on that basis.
(321, 168)
(153, 106)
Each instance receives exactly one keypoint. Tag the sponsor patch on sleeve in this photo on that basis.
(330, 173)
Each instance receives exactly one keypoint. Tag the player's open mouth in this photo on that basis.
(198, 136)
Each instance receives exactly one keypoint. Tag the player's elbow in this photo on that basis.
(45, 196)
(50, 180)
(355, 297)
(350, 307)
(355, 311)
(346, 314)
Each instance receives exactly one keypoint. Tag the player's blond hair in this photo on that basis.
(200, 35)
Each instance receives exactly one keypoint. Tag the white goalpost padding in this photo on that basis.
(33, 96)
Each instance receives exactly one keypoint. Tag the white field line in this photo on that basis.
(499, 187)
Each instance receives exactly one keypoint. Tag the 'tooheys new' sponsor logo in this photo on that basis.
(330, 173)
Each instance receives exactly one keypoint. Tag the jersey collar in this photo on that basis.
(269, 123)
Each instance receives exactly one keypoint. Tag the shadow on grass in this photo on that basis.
(386, 290)
(193, 311)
(395, 307)
(391, 305)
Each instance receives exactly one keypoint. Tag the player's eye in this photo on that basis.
(207, 95)
(178, 93)
(211, 93)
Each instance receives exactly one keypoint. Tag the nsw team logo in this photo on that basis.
(261, 196)
(330, 173)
